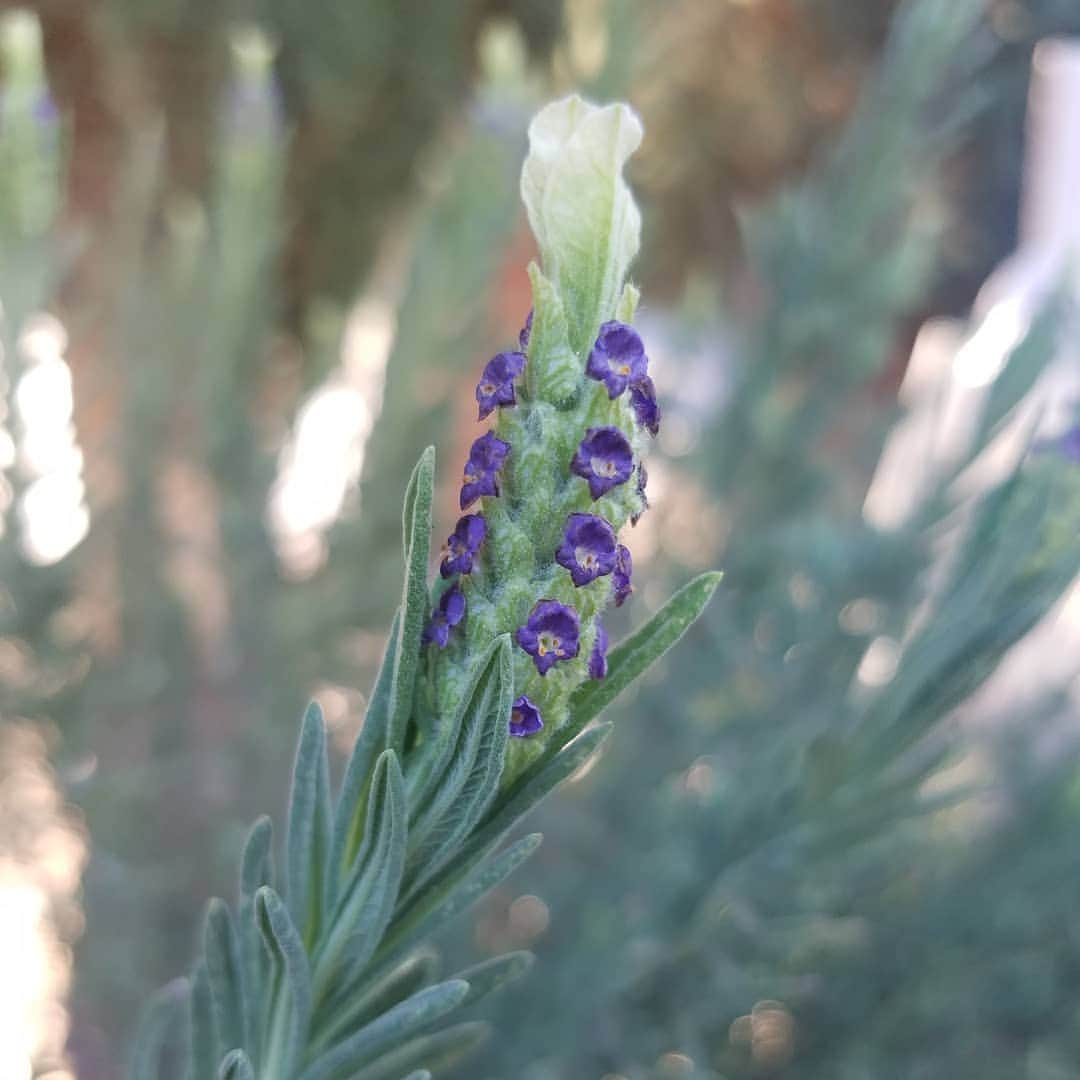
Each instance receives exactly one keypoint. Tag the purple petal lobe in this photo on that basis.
(617, 358)
(604, 459)
(486, 457)
(496, 385)
(462, 545)
(620, 577)
(525, 718)
(588, 548)
(552, 633)
(598, 656)
(449, 613)
(643, 402)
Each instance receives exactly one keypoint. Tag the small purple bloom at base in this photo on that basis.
(552, 633)
(598, 656)
(618, 358)
(525, 718)
(526, 331)
(486, 457)
(620, 576)
(462, 545)
(588, 548)
(496, 385)
(604, 459)
(448, 614)
(643, 402)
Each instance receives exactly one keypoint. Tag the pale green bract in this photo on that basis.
(323, 970)
(580, 207)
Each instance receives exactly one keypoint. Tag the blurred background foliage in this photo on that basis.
(251, 256)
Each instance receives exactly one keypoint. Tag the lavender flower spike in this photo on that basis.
(643, 402)
(552, 633)
(598, 656)
(620, 578)
(604, 459)
(618, 358)
(588, 548)
(496, 385)
(525, 718)
(486, 457)
(448, 614)
(462, 544)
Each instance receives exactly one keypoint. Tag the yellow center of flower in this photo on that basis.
(548, 643)
(603, 467)
(585, 559)
(623, 369)
(487, 389)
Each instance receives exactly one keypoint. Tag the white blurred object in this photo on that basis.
(953, 365)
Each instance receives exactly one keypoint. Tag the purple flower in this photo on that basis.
(618, 358)
(604, 458)
(448, 614)
(496, 385)
(588, 548)
(526, 331)
(525, 718)
(620, 577)
(552, 633)
(486, 458)
(643, 402)
(642, 480)
(462, 544)
(598, 656)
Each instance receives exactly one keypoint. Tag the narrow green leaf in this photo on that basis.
(390, 1030)
(367, 900)
(256, 870)
(203, 1034)
(349, 1010)
(444, 773)
(420, 1074)
(534, 786)
(309, 836)
(225, 977)
(435, 1053)
(490, 975)
(466, 790)
(636, 654)
(455, 889)
(163, 1015)
(416, 526)
(290, 1012)
(236, 1065)
(349, 814)
(1024, 365)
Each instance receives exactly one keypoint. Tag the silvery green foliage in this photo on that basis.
(321, 971)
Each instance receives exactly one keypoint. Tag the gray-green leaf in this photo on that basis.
(164, 1014)
(390, 1030)
(225, 977)
(416, 527)
(290, 1012)
(352, 802)
(366, 904)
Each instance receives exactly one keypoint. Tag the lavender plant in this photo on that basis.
(488, 691)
